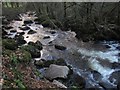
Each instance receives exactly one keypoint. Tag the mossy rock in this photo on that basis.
(24, 56)
(35, 53)
(37, 44)
(10, 44)
(20, 39)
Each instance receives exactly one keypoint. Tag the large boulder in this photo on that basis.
(56, 71)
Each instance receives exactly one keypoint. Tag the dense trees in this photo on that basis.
(86, 18)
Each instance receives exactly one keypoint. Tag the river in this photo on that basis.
(97, 62)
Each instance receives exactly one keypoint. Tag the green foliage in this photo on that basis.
(10, 44)
(19, 83)
(13, 59)
(7, 52)
(25, 56)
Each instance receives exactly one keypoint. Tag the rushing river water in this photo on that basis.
(93, 61)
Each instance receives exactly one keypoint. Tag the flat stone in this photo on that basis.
(56, 71)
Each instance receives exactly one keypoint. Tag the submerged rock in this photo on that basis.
(60, 47)
(76, 80)
(59, 84)
(56, 71)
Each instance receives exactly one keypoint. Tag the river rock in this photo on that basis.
(107, 46)
(24, 28)
(32, 32)
(105, 85)
(59, 84)
(96, 75)
(52, 32)
(118, 86)
(20, 39)
(115, 76)
(8, 27)
(115, 65)
(56, 71)
(13, 31)
(60, 47)
(46, 37)
(28, 22)
(21, 33)
(47, 63)
(118, 47)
